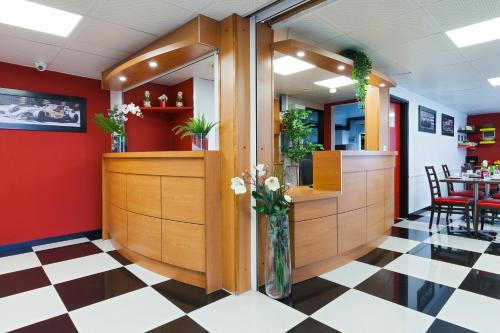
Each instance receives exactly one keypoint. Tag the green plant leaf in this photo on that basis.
(199, 125)
(362, 66)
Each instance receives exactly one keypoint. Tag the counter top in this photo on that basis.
(306, 193)
(161, 154)
(367, 153)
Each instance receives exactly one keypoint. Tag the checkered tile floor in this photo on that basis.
(416, 281)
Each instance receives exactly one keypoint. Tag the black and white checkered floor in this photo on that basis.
(416, 281)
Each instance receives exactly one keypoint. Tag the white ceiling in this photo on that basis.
(406, 40)
(203, 69)
(109, 31)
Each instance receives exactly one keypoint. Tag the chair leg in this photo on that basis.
(448, 213)
(439, 215)
(432, 216)
(467, 218)
(482, 213)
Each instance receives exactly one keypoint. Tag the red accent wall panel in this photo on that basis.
(395, 145)
(489, 152)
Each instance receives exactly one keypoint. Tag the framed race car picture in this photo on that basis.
(21, 109)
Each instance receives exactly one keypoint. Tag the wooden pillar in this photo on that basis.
(384, 118)
(377, 118)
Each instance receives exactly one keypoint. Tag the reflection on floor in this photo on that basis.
(416, 281)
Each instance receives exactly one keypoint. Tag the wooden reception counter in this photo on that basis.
(347, 213)
(162, 210)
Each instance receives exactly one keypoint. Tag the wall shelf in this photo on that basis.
(168, 108)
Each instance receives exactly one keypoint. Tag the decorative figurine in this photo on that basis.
(146, 100)
(179, 101)
(163, 100)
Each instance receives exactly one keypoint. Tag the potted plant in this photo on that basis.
(198, 128)
(115, 124)
(163, 100)
(272, 201)
(361, 69)
(297, 133)
(146, 101)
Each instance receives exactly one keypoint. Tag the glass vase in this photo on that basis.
(292, 173)
(199, 142)
(277, 264)
(118, 143)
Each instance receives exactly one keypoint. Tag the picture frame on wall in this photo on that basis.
(447, 125)
(426, 120)
(27, 110)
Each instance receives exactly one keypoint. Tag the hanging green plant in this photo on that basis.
(360, 72)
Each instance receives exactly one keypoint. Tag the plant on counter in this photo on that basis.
(361, 69)
(271, 200)
(198, 128)
(115, 124)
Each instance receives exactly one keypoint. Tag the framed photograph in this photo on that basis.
(426, 120)
(21, 109)
(447, 125)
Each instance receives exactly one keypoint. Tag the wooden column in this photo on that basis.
(377, 118)
(384, 118)
(234, 142)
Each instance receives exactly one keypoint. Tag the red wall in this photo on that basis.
(485, 152)
(50, 182)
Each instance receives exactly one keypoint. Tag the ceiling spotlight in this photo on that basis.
(341, 67)
(301, 54)
(382, 85)
(332, 90)
(122, 78)
(153, 64)
(367, 77)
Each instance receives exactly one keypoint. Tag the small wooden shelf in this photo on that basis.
(168, 108)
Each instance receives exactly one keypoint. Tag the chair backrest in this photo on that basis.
(433, 182)
(447, 174)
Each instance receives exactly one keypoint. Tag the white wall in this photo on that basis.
(429, 149)
(302, 104)
(204, 103)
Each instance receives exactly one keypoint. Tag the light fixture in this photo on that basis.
(382, 85)
(301, 54)
(340, 67)
(494, 81)
(122, 78)
(288, 65)
(367, 77)
(332, 90)
(336, 82)
(476, 33)
(33, 16)
(153, 64)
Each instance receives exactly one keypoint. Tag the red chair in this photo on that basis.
(485, 206)
(451, 190)
(496, 196)
(447, 205)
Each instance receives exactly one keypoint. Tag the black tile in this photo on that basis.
(441, 326)
(67, 252)
(312, 326)
(311, 295)
(481, 282)
(98, 287)
(118, 257)
(12, 252)
(494, 249)
(446, 254)
(181, 325)
(60, 324)
(417, 294)
(413, 217)
(21, 281)
(379, 257)
(416, 235)
(188, 298)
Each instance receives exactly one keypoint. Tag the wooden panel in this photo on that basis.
(353, 163)
(353, 191)
(372, 118)
(389, 198)
(314, 240)
(118, 224)
(117, 189)
(183, 245)
(144, 195)
(306, 193)
(186, 167)
(144, 235)
(327, 173)
(183, 199)
(105, 201)
(308, 210)
(352, 229)
(375, 184)
(375, 217)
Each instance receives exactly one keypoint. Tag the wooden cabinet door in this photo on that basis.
(117, 189)
(183, 199)
(375, 186)
(144, 235)
(144, 195)
(353, 191)
(352, 229)
(118, 225)
(375, 220)
(389, 198)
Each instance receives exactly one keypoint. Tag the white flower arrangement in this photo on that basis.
(163, 98)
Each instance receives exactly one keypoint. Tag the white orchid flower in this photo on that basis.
(272, 184)
(261, 170)
(287, 198)
(238, 185)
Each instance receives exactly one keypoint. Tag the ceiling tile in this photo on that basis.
(220, 9)
(489, 67)
(81, 7)
(485, 50)
(81, 64)
(96, 49)
(424, 3)
(24, 52)
(452, 14)
(312, 28)
(340, 43)
(194, 6)
(31, 35)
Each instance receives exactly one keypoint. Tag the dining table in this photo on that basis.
(476, 181)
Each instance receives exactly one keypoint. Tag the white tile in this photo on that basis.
(473, 311)
(80, 267)
(104, 245)
(18, 262)
(419, 226)
(398, 244)
(431, 270)
(355, 311)
(352, 274)
(250, 312)
(147, 276)
(488, 263)
(29, 307)
(137, 311)
(463, 243)
(60, 244)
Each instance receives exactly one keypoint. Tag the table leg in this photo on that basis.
(480, 234)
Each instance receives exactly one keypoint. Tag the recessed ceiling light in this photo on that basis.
(301, 54)
(153, 64)
(332, 90)
(476, 33)
(288, 65)
(336, 82)
(122, 78)
(382, 85)
(367, 77)
(33, 16)
(340, 67)
(495, 81)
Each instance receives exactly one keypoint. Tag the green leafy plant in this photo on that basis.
(298, 131)
(108, 125)
(117, 116)
(362, 66)
(199, 125)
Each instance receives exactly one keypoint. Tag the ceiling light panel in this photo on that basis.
(476, 33)
(494, 81)
(336, 82)
(33, 16)
(288, 65)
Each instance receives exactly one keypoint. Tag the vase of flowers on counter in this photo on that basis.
(163, 100)
(272, 200)
(115, 124)
(198, 128)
